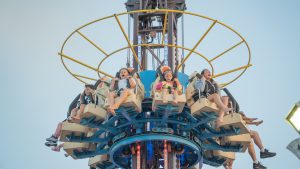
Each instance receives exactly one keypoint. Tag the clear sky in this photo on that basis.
(36, 89)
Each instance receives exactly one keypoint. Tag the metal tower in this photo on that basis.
(147, 25)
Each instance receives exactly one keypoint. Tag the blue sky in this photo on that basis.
(36, 89)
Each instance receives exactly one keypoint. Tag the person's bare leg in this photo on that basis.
(79, 112)
(225, 100)
(122, 99)
(58, 130)
(251, 152)
(228, 165)
(231, 164)
(164, 95)
(256, 138)
(57, 148)
(257, 123)
(175, 94)
(111, 101)
(216, 99)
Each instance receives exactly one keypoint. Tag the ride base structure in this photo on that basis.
(147, 132)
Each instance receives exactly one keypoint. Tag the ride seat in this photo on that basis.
(97, 160)
(227, 155)
(69, 147)
(215, 159)
(72, 128)
(242, 139)
(91, 110)
(158, 100)
(235, 120)
(135, 98)
(203, 105)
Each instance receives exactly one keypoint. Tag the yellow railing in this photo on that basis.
(131, 46)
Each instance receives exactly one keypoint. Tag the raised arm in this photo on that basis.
(131, 82)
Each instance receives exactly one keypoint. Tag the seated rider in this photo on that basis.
(75, 108)
(209, 89)
(264, 153)
(121, 86)
(169, 85)
(87, 97)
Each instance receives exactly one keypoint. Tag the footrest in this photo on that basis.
(158, 100)
(235, 120)
(203, 105)
(72, 129)
(91, 110)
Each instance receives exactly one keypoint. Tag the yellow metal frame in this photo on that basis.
(166, 11)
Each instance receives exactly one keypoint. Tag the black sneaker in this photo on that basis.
(267, 154)
(258, 166)
(49, 143)
(52, 139)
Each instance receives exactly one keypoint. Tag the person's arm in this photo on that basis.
(132, 82)
(178, 85)
(112, 84)
(217, 88)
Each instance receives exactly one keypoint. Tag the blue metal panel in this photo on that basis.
(149, 76)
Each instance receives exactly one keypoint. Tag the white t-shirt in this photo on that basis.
(122, 84)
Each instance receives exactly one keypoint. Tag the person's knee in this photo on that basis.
(253, 133)
(225, 98)
(125, 92)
